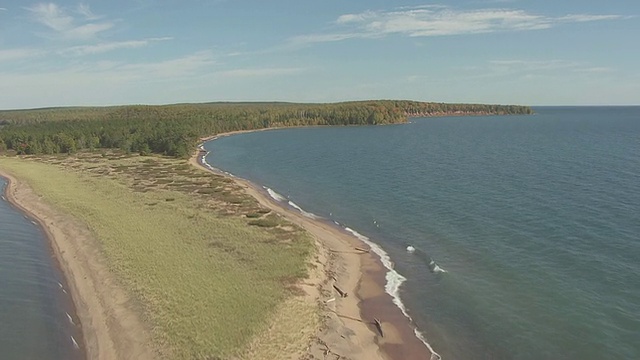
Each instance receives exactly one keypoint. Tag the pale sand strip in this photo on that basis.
(347, 338)
(346, 332)
(110, 324)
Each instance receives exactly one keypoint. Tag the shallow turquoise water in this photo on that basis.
(536, 220)
(33, 308)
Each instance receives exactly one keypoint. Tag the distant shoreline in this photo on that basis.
(365, 276)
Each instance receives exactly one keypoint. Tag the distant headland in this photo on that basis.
(174, 130)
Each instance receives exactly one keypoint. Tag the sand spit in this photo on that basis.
(111, 327)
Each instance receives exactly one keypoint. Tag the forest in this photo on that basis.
(174, 130)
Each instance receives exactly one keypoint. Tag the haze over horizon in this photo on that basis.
(67, 53)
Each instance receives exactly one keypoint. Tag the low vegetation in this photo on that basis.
(211, 268)
(208, 281)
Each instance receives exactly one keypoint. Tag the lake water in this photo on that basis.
(533, 220)
(34, 309)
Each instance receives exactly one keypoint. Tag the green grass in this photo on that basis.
(208, 284)
(269, 221)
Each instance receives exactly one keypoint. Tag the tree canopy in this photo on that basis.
(175, 129)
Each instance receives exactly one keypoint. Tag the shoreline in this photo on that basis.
(110, 321)
(110, 327)
(67, 300)
(361, 273)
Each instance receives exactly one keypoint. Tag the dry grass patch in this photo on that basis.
(208, 284)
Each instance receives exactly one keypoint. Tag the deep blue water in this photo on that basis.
(536, 220)
(33, 308)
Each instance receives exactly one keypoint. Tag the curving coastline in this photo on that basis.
(369, 275)
(110, 327)
(76, 339)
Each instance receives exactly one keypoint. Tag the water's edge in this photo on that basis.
(62, 296)
(393, 279)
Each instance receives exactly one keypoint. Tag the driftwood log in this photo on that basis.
(378, 325)
(340, 291)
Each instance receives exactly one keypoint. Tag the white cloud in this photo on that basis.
(587, 18)
(261, 72)
(51, 16)
(87, 31)
(18, 54)
(189, 65)
(110, 46)
(104, 82)
(441, 21)
(532, 65)
(66, 26)
(595, 70)
(85, 10)
(514, 69)
(536, 68)
(317, 38)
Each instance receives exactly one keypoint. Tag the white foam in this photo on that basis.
(438, 269)
(392, 287)
(204, 162)
(70, 318)
(75, 344)
(411, 249)
(435, 268)
(393, 278)
(274, 195)
(305, 213)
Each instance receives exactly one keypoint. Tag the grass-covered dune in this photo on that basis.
(209, 266)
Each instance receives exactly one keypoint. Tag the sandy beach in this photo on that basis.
(111, 326)
(350, 330)
(110, 319)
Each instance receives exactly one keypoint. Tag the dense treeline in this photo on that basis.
(175, 129)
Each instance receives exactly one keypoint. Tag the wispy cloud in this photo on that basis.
(85, 10)
(595, 70)
(515, 69)
(261, 72)
(66, 26)
(539, 68)
(588, 18)
(532, 65)
(440, 21)
(18, 54)
(115, 73)
(110, 46)
(190, 65)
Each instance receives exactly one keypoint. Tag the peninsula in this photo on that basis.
(167, 258)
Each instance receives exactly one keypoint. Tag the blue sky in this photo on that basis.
(533, 52)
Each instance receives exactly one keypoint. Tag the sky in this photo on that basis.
(529, 52)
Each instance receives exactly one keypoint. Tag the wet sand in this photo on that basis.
(349, 330)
